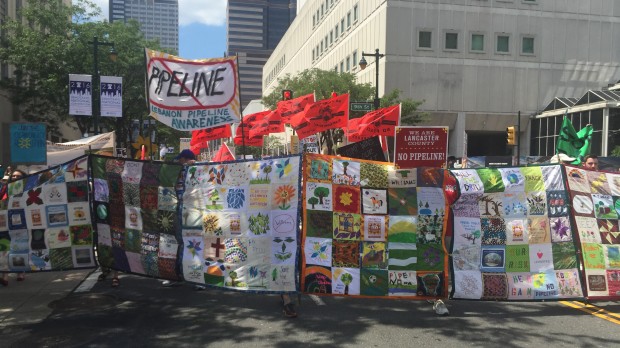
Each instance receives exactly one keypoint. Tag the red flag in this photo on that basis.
(271, 123)
(380, 122)
(223, 154)
(243, 131)
(325, 114)
(352, 131)
(290, 108)
(208, 134)
(197, 148)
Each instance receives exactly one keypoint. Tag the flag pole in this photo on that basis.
(240, 108)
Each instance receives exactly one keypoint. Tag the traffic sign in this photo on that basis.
(361, 106)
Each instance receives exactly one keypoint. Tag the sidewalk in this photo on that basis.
(28, 302)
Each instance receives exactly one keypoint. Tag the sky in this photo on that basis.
(202, 27)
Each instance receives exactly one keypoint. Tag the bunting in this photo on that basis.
(208, 134)
(325, 114)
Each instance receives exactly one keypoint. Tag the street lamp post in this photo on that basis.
(363, 65)
(96, 82)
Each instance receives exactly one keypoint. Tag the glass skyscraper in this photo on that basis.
(159, 19)
(254, 29)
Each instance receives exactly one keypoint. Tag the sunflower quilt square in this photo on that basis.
(346, 199)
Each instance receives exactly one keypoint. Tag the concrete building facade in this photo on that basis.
(159, 19)
(475, 63)
(254, 29)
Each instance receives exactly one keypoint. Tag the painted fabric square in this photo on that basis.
(319, 169)
(402, 229)
(319, 196)
(374, 201)
(467, 206)
(468, 285)
(538, 230)
(560, 229)
(493, 231)
(577, 180)
(588, 229)
(491, 179)
(283, 250)
(541, 257)
(430, 177)
(347, 226)
(582, 205)
(495, 286)
(430, 284)
(517, 258)
(604, 207)
(469, 181)
(131, 194)
(402, 177)
(569, 283)
(238, 174)
(533, 179)
(318, 280)
(402, 283)
(513, 205)
(169, 174)
(598, 183)
(564, 255)
(374, 255)
(373, 282)
(259, 223)
(319, 224)
(520, 286)
(132, 172)
(430, 228)
(552, 177)
(346, 172)
(545, 285)
(346, 253)
(403, 201)
(102, 192)
(536, 203)
(493, 259)
(491, 204)
(318, 251)
(57, 215)
(516, 231)
(557, 201)
(346, 199)
(373, 175)
(430, 257)
(148, 197)
(150, 174)
(374, 227)
(346, 281)
(77, 191)
(284, 223)
(513, 179)
(259, 198)
(285, 197)
(402, 256)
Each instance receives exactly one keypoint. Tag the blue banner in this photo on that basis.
(28, 143)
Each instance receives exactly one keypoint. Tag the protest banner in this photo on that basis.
(420, 147)
(28, 143)
(368, 149)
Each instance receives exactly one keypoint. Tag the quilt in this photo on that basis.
(595, 205)
(135, 214)
(45, 222)
(370, 230)
(513, 237)
(240, 223)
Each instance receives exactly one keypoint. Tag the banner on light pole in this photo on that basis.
(111, 96)
(80, 95)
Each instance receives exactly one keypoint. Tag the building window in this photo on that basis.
(331, 37)
(326, 42)
(452, 41)
(318, 19)
(342, 26)
(527, 45)
(336, 29)
(424, 39)
(321, 46)
(322, 9)
(503, 43)
(477, 42)
(313, 55)
(336, 68)
(341, 66)
(355, 12)
(313, 21)
(354, 59)
(348, 64)
(349, 20)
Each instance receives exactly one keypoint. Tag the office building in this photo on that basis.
(474, 63)
(159, 19)
(254, 28)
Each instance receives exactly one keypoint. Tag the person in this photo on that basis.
(288, 308)
(104, 274)
(186, 157)
(590, 162)
(451, 162)
(15, 175)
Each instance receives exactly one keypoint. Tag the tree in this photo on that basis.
(45, 46)
(313, 201)
(321, 192)
(323, 82)
(346, 279)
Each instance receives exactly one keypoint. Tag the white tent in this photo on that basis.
(58, 153)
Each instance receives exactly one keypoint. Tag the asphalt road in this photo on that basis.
(142, 313)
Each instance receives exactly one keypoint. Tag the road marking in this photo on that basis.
(88, 283)
(594, 310)
(317, 300)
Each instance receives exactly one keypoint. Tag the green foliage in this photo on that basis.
(615, 152)
(46, 46)
(323, 82)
